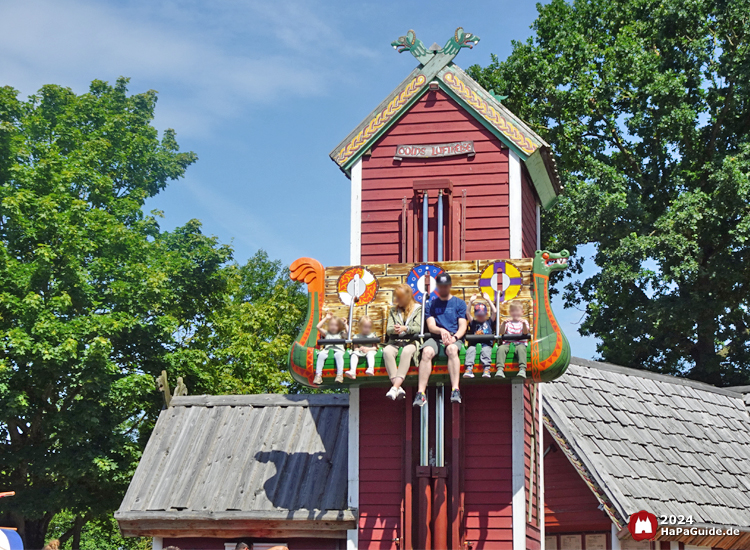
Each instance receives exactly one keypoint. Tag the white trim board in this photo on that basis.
(515, 205)
(352, 535)
(157, 543)
(540, 450)
(519, 467)
(355, 230)
(538, 227)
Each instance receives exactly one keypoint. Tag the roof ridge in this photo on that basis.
(629, 371)
(262, 400)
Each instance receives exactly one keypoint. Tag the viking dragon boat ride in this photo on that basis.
(353, 291)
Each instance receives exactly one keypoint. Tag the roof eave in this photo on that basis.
(298, 523)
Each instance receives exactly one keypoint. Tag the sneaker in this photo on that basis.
(392, 394)
(486, 373)
(500, 372)
(522, 372)
(370, 371)
(469, 372)
(318, 379)
(455, 396)
(401, 394)
(351, 374)
(420, 400)
(339, 378)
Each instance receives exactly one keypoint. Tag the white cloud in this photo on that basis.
(214, 58)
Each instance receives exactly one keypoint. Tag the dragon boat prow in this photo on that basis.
(524, 280)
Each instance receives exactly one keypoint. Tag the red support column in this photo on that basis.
(408, 472)
(425, 508)
(440, 508)
(456, 511)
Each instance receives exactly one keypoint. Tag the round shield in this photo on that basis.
(501, 277)
(10, 540)
(357, 285)
(418, 277)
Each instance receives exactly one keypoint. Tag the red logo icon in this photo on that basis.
(642, 525)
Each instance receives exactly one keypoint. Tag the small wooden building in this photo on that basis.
(218, 470)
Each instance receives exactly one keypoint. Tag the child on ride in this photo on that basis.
(514, 326)
(480, 323)
(335, 327)
(366, 351)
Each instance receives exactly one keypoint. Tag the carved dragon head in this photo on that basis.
(465, 39)
(405, 43)
(546, 262)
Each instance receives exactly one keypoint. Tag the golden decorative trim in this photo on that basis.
(507, 128)
(382, 118)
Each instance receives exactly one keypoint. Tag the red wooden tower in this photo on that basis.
(442, 171)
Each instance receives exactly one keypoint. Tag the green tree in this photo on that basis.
(647, 106)
(101, 533)
(94, 297)
(243, 346)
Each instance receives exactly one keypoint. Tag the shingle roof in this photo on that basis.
(264, 457)
(654, 442)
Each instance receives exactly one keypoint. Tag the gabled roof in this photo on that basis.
(215, 464)
(644, 441)
(437, 66)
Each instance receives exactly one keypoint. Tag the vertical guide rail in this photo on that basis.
(355, 294)
(423, 472)
(498, 288)
(404, 228)
(425, 226)
(463, 224)
(440, 426)
(440, 226)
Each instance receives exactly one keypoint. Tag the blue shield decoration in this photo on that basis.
(10, 540)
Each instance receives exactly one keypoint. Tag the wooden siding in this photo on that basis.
(528, 216)
(381, 459)
(487, 467)
(531, 445)
(436, 118)
(569, 505)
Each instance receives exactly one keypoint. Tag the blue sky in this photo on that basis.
(261, 91)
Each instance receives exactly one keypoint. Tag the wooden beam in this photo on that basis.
(178, 532)
(429, 184)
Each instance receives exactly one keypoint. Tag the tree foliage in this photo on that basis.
(243, 346)
(647, 106)
(93, 295)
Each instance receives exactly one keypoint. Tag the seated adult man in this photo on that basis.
(446, 321)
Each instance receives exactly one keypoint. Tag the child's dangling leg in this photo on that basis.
(353, 360)
(502, 353)
(486, 358)
(322, 356)
(370, 355)
(521, 356)
(471, 354)
(338, 357)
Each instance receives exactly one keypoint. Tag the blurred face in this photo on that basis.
(334, 325)
(402, 298)
(365, 326)
(444, 291)
(480, 316)
(516, 312)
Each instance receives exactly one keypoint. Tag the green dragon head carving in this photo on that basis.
(460, 39)
(410, 43)
(546, 262)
